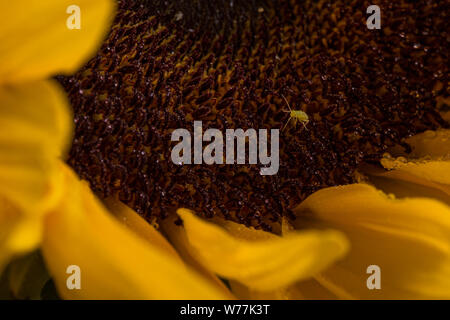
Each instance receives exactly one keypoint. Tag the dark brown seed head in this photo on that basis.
(228, 64)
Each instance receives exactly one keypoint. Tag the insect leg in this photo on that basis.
(304, 123)
(286, 123)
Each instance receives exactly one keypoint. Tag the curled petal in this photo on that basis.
(433, 170)
(140, 226)
(423, 172)
(259, 260)
(432, 144)
(409, 239)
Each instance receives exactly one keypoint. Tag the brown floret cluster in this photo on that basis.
(229, 64)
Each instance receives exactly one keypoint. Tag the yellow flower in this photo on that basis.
(324, 253)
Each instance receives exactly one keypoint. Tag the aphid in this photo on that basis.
(297, 115)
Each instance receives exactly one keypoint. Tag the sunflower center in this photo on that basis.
(237, 64)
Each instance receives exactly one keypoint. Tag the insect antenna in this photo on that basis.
(290, 110)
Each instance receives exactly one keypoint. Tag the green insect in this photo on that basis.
(297, 115)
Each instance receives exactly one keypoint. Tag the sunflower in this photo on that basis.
(365, 183)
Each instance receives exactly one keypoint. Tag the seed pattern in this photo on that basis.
(229, 64)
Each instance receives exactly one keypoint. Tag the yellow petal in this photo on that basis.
(35, 129)
(263, 264)
(19, 232)
(178, 237)
(243, 292)
(144, 229)
(312, 290)
(434, 170)
(309, 289)
(408, 239)
(432, 144)
(114, 262)
(425, 171)
(25, 235)
(434, 174)
(405, 185)
(36, 43)
(141, 227)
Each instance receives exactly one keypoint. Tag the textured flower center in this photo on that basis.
(229, 64)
